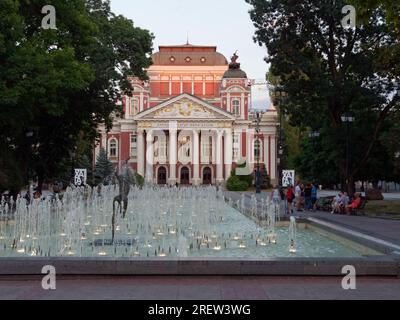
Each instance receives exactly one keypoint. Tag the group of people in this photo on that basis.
(342, 204)
(302, 197)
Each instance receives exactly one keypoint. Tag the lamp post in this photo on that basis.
(313, 135)
(72, 154)
(280, 97)
(258, 173)
(29, 137)
(347, 119)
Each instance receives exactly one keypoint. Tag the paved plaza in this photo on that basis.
(200, 288)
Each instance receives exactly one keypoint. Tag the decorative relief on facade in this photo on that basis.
(184, 109)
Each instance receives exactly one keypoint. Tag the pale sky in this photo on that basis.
(223, 23)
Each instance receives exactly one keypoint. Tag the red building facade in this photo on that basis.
(191, 122)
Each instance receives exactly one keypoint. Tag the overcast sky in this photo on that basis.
(223, 23)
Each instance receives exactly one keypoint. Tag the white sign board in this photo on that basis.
(288, 178)
(80, 177)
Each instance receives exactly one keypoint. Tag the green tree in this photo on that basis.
(327, 71)
(56, 84)
(391, 8)
(103, 169)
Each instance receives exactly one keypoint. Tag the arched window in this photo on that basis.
(236, 107)
(134, 109)
(113, 148)
(257, 150)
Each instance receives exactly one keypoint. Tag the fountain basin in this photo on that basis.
(180, 232)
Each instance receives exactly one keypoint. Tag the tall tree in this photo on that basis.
(328, 70)
(56, 84)
(104, 168)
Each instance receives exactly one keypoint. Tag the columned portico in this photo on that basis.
(185, 136)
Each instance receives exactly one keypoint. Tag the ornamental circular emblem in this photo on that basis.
(203, 60)
(188, 59)
(172, 59)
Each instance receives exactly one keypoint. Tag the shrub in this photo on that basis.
(235, 184)
(139, 180)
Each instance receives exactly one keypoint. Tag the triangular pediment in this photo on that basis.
(184, 106)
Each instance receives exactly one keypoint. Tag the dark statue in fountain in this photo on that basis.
(125, 180)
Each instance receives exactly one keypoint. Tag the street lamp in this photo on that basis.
(313, 135)
(347, 119)
(280, 99)
(258, 174)
(73, 155)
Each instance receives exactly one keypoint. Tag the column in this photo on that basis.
(266, 153)
(273, 159)
(173, 145)
(195, 161)
(149, 157)
(140, 153)
(228, 153)
(250, 150)
(220, 176)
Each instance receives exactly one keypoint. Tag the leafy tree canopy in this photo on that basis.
(56, 84)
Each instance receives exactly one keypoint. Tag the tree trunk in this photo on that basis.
(40, 182)
(351, 188)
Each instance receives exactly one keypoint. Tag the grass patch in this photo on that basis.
(383, 209)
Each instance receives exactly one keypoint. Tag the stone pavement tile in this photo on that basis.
(202, 288)
(383, 290)
(154, 292)
(251, 292)
(228, 292)
(285, 292)
(13, 291)
(199, 292)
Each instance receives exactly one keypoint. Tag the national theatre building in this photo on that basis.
(191, 122)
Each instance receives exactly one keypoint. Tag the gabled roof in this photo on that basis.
(185, 106)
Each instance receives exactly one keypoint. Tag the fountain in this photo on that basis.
(271, 221)
(292, 235)
(160, 222)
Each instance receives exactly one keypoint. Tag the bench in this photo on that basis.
(360, 210)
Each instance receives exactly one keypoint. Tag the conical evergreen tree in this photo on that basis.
(103, 169)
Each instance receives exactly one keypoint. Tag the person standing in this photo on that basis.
(290, 196)
(298, 197)
(314, 196)
(307, 196)
(276, 195)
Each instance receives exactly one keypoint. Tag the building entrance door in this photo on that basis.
(185, 179)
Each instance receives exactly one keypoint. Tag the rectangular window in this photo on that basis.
(206, 148)
(134, 109)
(133, 147)
(236, 147)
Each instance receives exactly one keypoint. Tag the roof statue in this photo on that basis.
(234, 64)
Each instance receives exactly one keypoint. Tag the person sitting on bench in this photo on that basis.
(355, 204)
